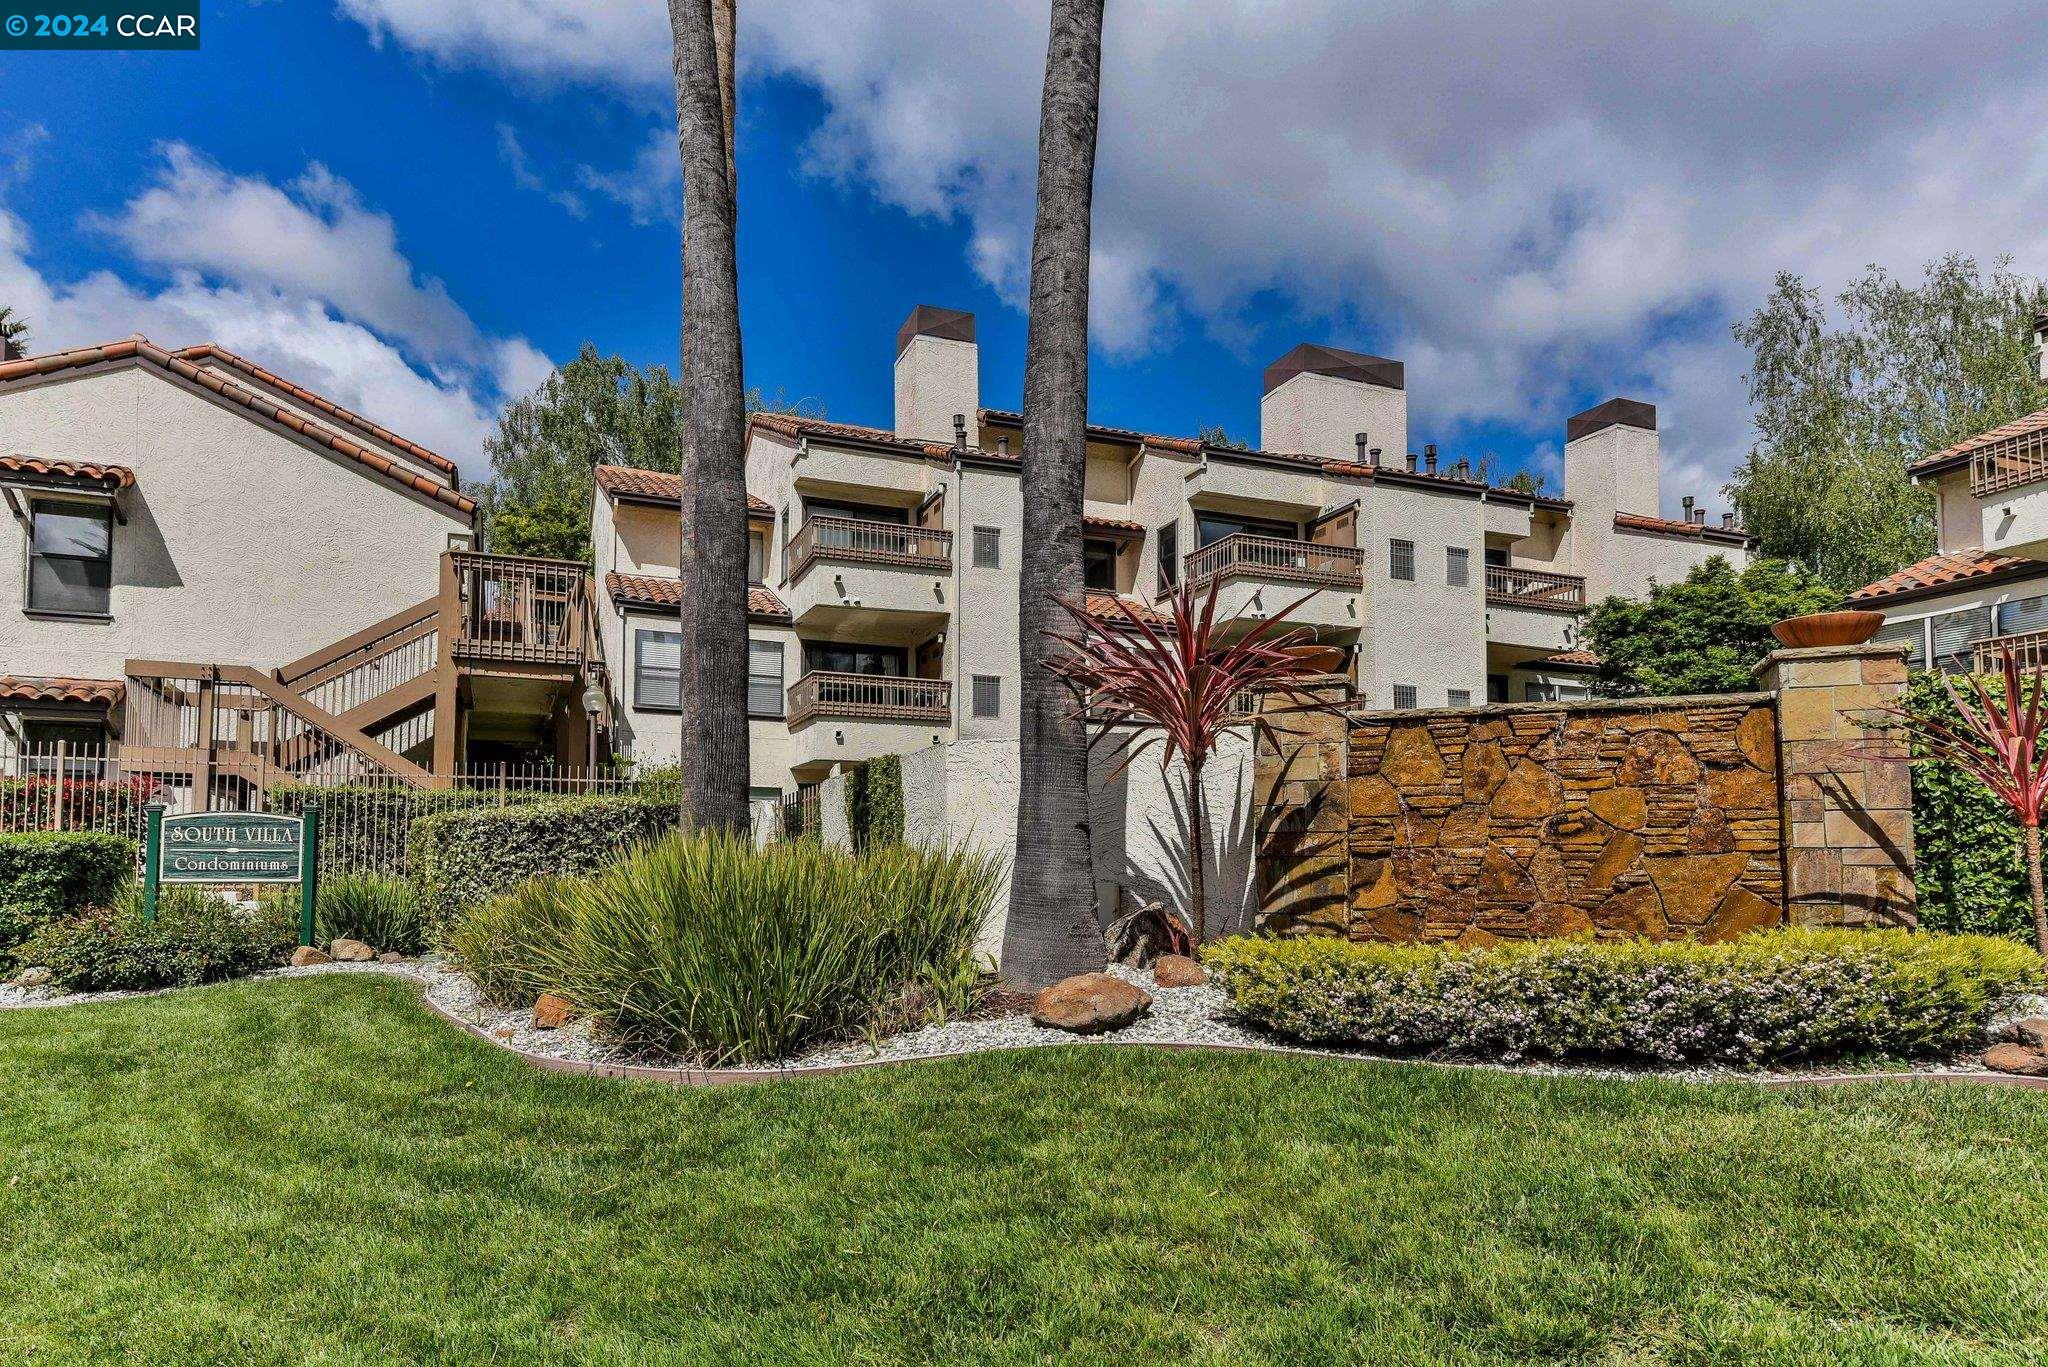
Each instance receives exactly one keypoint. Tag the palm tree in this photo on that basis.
(1051, 931)
(13, 335)
(712, 563)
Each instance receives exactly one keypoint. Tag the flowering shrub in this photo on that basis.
(46, 803)
(1768, 998)
(196, 938)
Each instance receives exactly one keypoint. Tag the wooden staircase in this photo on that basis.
(385, 703)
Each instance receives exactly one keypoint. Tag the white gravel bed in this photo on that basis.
(1179, 1015)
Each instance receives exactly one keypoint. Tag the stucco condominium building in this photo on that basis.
(1986, 585)
(239, 582)
(884, 608)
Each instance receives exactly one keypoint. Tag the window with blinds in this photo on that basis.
(1912, 635)
(1950, 635)
(2022, 615)
(764, 678)
(658, 670)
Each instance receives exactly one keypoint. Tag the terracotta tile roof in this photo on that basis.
(1002, 417)
(23, 688)
(1572, 659)
(791, 425)
(2033, 422)
(111, 476)
(1945, 571)
(260, 408)
(1104, 605)
(659, 591)
(325, 407)
(1665, 526)
(1112, 526)
(629, 481)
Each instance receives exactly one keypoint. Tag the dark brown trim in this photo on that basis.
(1312, 359)
(1613, 413)
(929, 320)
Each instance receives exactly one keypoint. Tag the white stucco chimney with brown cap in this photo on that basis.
(938, 374)
(1319, 398)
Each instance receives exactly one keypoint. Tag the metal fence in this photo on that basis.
(364, 820)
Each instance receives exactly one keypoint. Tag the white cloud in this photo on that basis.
(305, 280)
(1521, 201)
(650, 187)
(513, 153)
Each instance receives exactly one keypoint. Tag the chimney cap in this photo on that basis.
(1312, 359)
(1613, 413)
(929, 320)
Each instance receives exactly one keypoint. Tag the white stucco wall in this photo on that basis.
(1321, 415)
(1424, 632)
(242, 545)
(936, 377)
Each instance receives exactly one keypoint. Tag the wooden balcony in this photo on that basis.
(854, 540)
(518, 609)
(1511, 587)
(869, 697)
(1272, 557)
(2029, 650)
(2009, 464)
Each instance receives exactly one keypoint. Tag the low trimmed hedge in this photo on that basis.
(1773, 997)
(460, 860)
(47, 875)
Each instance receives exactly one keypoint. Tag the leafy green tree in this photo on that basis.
(1842, 409)
(1702, 634)
(1218, 435)
(13, 334)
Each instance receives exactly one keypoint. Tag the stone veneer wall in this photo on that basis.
(1656, 818)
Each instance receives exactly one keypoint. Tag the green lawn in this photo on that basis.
(321, 1169)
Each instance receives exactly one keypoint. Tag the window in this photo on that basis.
(757, 557)
(1912, 634)
(1211, 528)
(764, 678)
(1098, 564)
(827, 657)
(1401, 559)
(71, 559)
(988, 548)
(988, 695)
(1457, 566)
(1496, 688)
(1952, 633)
(1167, 538)
(658, 670)
(2023, 614)
(84, 744)
(1545, 690)
(1404, 695)
(1497, 555)
(1459, 697)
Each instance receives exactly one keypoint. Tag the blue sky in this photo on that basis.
(415, 205)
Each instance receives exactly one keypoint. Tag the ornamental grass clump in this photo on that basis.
(1775, 997)
(706, 948)
(383, 913)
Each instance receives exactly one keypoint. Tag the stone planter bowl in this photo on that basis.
(1828, 629)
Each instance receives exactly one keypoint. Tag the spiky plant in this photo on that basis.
(1997, 740)
(1178, 689)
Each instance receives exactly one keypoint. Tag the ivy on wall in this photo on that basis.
(1968, 867)
(874, 802)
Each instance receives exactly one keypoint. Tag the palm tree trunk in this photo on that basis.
(2034, 887)
(1198, 858)
(712, 564)
(1052, 930)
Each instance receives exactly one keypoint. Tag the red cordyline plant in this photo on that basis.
(1176, 688)
(1999, 741)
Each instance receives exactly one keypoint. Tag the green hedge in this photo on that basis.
(1968, 867)
(196, 938)
(46, 875)
(462, 859)
(874, 802)
(368, 827)
(1774, 997)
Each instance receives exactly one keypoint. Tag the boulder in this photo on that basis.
(2016, 1058)
(2032, 1032)
(1178, 970)
(305, 956)
(33, 977)
(1089, 1003)
(390, 957)
(551, 1012)
(346, 951)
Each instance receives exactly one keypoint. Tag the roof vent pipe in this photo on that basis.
(1411, 461)
(1366, 456)
(959, 431)
(1375, 454)
(1686, 503)
(1727, 521)
(1463, 469)
(1429, 457)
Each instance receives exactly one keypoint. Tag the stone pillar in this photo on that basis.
(1847, 795)
(1300, 819)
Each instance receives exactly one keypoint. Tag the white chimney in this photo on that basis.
(1318, 399)
(1611, 459)
(938, 374)
(2041, 344)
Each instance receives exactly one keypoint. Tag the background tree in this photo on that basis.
(712, 550)
(1702, 634)
(13, 335)
(1051, 931)
(1841, 409)
(1219, 435)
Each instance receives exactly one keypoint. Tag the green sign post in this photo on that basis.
(233, 847)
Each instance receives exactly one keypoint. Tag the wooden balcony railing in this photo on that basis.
(2029, 649)
(1272, 557)
(2009, 464)
(1535, 589)
(875, 543)
(880, 697)
(518, 609)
